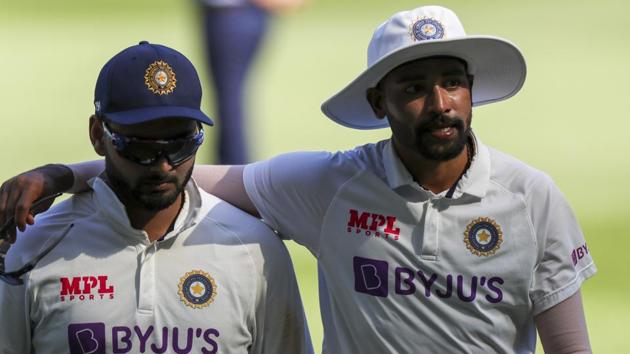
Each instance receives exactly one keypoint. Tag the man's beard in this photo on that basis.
(442, 151)
(149, 201)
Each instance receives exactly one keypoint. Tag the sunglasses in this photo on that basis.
(147, 152)
(14, 277)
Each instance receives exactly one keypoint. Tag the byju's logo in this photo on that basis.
(86, 338)
(93, 338)
(370, 276)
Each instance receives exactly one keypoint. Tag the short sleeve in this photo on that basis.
(564, 259)
(281, 325)
(293, 191)
(15, 335)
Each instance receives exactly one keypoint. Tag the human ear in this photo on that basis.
(375, 98)
(96, 135)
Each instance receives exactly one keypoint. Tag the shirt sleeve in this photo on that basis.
(15, 333)
(292, 192)
(564, 259)
(281, 325)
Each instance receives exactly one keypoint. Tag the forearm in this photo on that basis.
(226, 182)
(60, 177)
(562, 328)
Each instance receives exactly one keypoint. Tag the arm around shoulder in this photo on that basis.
(225, 182)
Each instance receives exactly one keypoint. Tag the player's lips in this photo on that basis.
(444, 133)
(156, 186)
(442, 127)
(441, 131)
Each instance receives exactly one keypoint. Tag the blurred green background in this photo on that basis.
(570, 119)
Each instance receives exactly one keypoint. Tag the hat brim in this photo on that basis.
(143, 115)
(497, 65)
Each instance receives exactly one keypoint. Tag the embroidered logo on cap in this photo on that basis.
(427, 28)
(197, 289)
(483, 236)
(160, 78)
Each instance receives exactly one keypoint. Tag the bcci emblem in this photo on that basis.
(197, 289)
(483, 237)
(427, 28)
(160, 78)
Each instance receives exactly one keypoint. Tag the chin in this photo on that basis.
(157, 201)
(441, 152)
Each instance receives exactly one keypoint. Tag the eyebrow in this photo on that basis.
(421, 77)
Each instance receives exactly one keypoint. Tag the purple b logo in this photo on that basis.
(86, 338)
(370, 276)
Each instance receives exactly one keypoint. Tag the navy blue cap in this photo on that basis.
(146, 82)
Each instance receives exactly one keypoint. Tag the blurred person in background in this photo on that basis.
(234, 31)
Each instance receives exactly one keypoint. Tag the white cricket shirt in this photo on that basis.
(403, 270)
(220, 282)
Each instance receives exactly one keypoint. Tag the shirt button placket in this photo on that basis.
(146, 278)
(431, 231)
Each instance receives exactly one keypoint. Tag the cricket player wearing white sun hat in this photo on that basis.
(431, 241)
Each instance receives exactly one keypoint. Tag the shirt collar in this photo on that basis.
(474, 182)
(114, 211)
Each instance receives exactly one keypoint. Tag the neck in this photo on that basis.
(155, 223)
(436, 176)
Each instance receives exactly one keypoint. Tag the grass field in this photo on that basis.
(570, 119)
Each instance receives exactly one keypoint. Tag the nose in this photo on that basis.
(439, 100)
(162, 165)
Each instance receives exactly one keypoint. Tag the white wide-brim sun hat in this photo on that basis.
(497, 65)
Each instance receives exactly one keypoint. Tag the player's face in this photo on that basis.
(428, 105)
(153, 187)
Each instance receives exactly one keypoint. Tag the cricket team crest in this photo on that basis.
(197, 289)
(483, 236)
(427, 28)
(160, 78)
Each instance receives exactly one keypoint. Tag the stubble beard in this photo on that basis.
(437, 151)
(149, 201)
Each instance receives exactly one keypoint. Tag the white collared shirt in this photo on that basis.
(219, 282)
(404, 270)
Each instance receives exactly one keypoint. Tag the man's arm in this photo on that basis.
(20, 192)
(226, 182)
(562, 328)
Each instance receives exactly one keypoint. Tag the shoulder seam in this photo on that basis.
(252, 313)
(325, 216)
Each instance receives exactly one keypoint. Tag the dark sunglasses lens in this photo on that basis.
(147, 152)
(142, 151)
(181, 153)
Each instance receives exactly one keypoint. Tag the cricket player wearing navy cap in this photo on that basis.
(431, 241)
(146, 262)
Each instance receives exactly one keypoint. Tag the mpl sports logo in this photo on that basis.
(89, 287)
(91, 338)
(372, 224)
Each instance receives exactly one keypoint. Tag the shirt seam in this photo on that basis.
(576, 281)
(335, 196)
(252, 311)
(530, 223)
